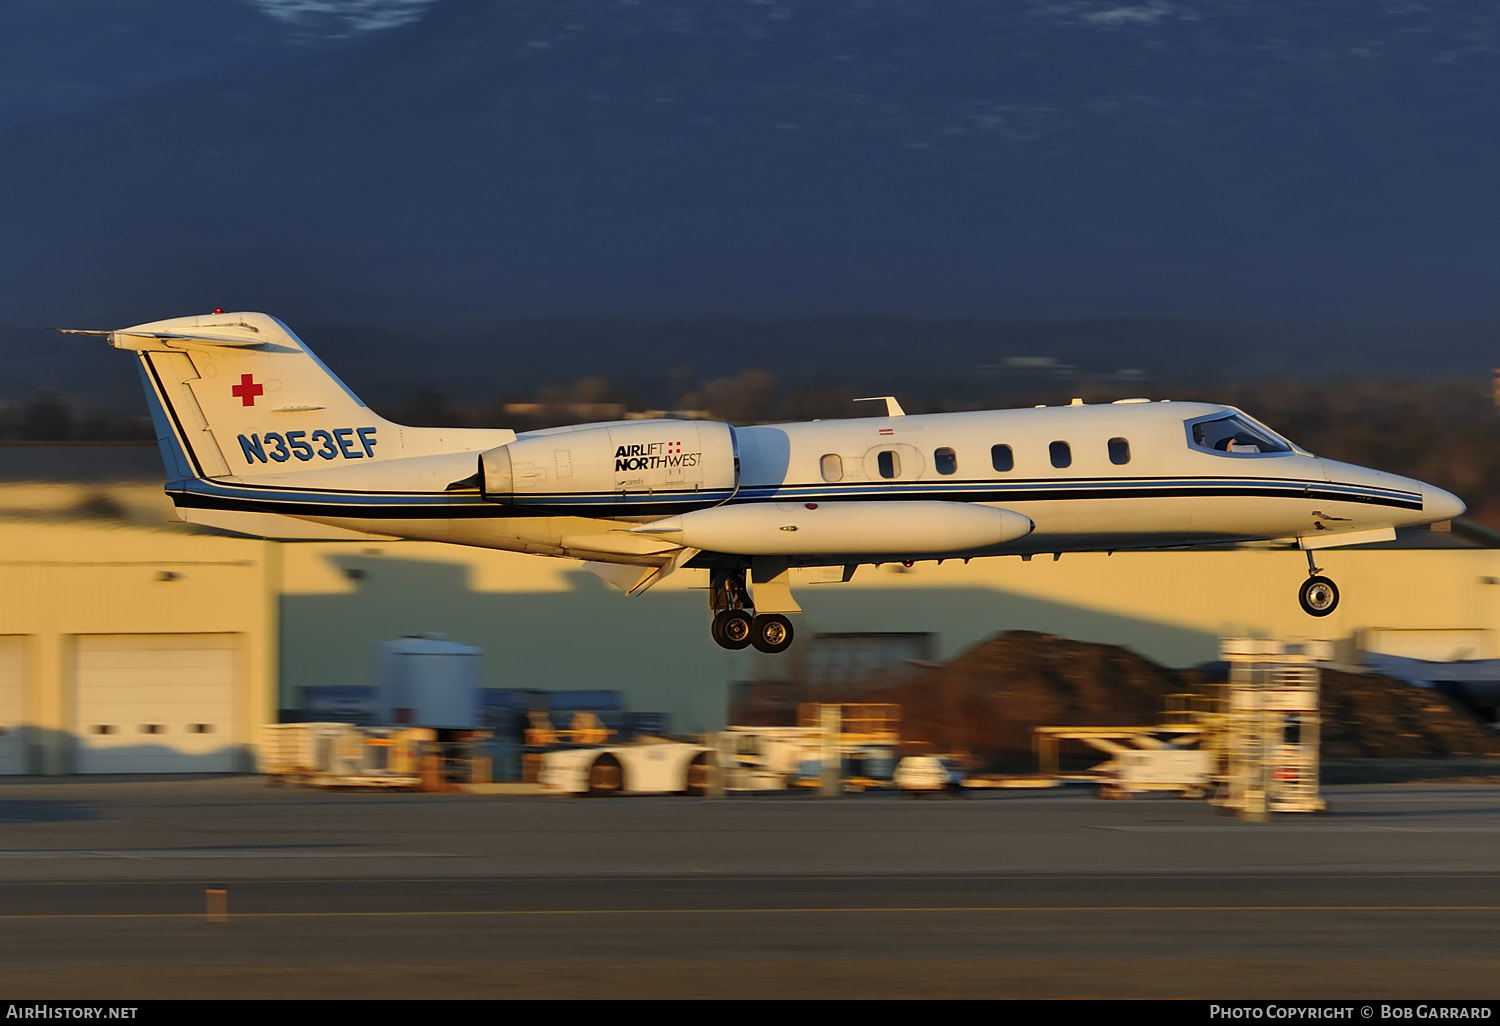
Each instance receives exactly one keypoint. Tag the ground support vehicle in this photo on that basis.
(664, 767)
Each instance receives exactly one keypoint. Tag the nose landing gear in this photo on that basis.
(1318, 595)
(736, 625)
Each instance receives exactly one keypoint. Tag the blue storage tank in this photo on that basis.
(428, 682)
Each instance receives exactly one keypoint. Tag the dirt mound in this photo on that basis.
(1366, 716)
(986, 702)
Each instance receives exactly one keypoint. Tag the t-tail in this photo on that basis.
(238, 402)
(237, 395)
(241, 396)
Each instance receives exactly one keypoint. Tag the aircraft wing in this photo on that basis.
(633, 580)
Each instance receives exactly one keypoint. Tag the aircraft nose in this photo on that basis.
(1440, 505)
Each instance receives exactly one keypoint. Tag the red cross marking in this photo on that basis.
(247, 390)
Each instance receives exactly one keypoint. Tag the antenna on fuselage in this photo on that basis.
(892, 408)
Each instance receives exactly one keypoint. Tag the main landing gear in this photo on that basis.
(1319, 596)
(736, 625)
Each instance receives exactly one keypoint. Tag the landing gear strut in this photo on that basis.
(736, 624)
(1319, 595)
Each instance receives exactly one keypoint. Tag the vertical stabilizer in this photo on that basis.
(237, 395)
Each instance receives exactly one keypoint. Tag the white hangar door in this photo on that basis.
(155, 703)
(12, 703)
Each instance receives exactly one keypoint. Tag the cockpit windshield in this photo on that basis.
(1234, 434)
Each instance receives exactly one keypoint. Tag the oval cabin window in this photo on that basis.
(889, 463)
(1119, 451)
(833, 467)
(1062, 455)
(945, 461)
(1001, 458)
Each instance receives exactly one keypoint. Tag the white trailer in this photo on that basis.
(667, 767)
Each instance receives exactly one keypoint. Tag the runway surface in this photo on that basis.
(1395, 893)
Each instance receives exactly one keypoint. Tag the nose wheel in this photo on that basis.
(1318, 595)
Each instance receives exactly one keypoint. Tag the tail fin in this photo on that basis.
(239, 395)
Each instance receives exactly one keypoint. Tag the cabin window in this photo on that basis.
(832, 466)
(1062, 455)
(889, 463)
(1234, 434)
(945, 461)
(1119, 451)
(1001, 458)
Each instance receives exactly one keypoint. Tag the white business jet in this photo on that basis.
(260, 438)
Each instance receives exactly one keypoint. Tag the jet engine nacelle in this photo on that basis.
(822, 528)
(687, 459)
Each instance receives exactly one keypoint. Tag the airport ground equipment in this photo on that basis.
(1272, 727)
(586, 729)
(1170, 756)
(663, 767)
(541, 738)
(928, 774)
(291, 752)
(859, 739)
(344, 755)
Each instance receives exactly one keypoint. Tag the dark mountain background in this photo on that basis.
(484, 197)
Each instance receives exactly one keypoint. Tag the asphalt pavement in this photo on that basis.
(106, 891)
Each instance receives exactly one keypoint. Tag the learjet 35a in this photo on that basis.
(259, 437)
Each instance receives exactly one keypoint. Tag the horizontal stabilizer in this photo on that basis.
(235, 341)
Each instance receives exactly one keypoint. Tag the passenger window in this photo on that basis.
(1001, 458)
(1119, 451)
(1062, 455)
(945, 461)
(832, 466)
(889, 463)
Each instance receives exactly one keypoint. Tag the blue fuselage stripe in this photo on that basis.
(397, 505)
